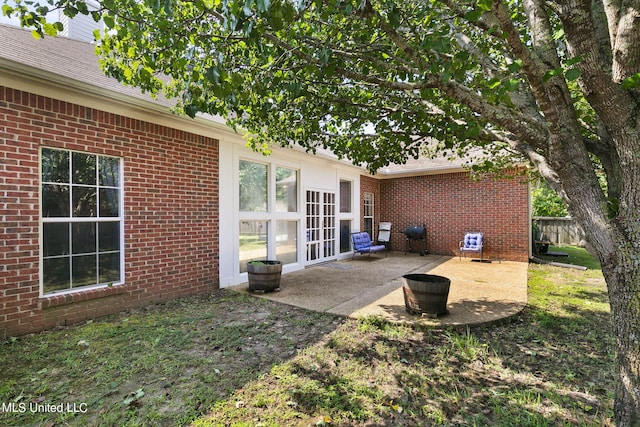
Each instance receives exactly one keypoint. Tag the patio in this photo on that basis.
(480, 292)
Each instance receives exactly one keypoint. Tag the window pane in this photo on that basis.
(84, 168)
(368, 226)
(109, 265)
(253, 187)
(56, 274)
(84, 202)
(286, 238)
(83, 237)
(345, 196)
(55, 239)
(55, 201)
(73, 184)
(83, 270)
(253, 242)
(108, 236)
(286, 190)
(55, 165)
(368, 204)
(109, 171)
(109, 202)
(345, 235)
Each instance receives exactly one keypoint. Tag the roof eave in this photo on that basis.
(91, 95)
(438, 170)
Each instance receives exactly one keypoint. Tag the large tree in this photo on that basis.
(378, 80)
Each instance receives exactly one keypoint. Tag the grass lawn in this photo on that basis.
(575, 256)
(236, 360)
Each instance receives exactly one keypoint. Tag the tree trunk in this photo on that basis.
(617, 246)
(616, 242)
(623, 280)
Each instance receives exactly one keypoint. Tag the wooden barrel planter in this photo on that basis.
(426, 294)
(264, 275)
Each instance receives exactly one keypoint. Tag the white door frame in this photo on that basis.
(320, 225)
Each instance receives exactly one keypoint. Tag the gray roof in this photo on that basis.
(60, 60)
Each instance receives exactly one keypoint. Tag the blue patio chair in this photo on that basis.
(362, 244)
(472, 243)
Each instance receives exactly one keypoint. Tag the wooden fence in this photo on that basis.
(560, 231)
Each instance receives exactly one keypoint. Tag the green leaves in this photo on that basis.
(484, 5)
(191, 110)
(109, 21)
(393, 15)
(52, 29)
(371, 81)
(546, 201)
(213, 74)
(549, 74)
(631, 82)
(263, 5)
(474, 15)
(570, 72)
(515, 66)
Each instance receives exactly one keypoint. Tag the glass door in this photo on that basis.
(320, 225)
(329, 225)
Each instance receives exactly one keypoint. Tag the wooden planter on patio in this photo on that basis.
(264, 275)
(426, 294)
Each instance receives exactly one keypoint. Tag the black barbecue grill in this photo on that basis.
(416, 239)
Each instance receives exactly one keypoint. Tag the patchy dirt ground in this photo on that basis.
(159, 365)
(235, 360)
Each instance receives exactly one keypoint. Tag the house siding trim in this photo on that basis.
(38, 82)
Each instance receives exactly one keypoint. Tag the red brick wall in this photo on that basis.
(451, 204)
(170, 210)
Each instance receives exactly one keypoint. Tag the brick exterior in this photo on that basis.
(170, 210)
(450, 205)
(171, 216)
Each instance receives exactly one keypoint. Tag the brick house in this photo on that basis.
(110, 202)
(449, 203)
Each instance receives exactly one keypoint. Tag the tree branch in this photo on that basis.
(533, 67)
(626, 45)
(607, 98)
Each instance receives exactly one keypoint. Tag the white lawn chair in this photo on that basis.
(384, 234)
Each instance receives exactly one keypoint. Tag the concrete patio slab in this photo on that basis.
(480, 292)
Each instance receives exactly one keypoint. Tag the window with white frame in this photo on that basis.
(345, 196)
(345, 235)
(253, 187)
(346, 214)
(81, 199)
(367, 213)
(286, 190)
(269, 213)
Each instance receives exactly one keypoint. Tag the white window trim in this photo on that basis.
(42, 221)
(373, 212)
(271, 215)
(351, 182)
(353, 215)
